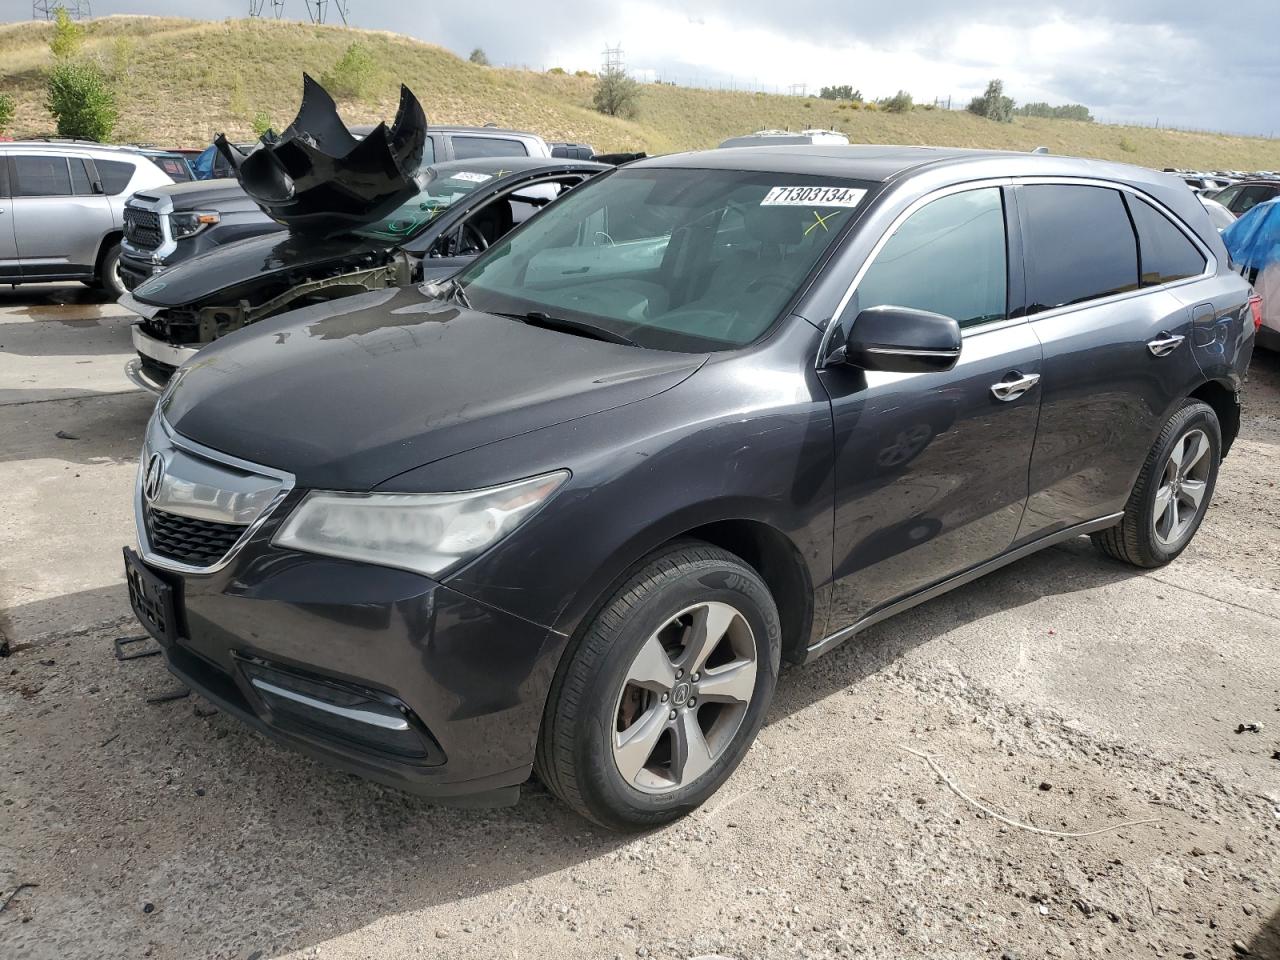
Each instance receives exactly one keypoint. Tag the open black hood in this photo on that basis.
(316, 177)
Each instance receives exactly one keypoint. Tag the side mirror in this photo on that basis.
(900, 340)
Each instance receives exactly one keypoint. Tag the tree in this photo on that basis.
(993, 104)
(7, 109)
(479, 57)
(352, 75)
(844, 91)
(67, 35)
(81, 100)
(900, 102)
(616, 94)
(1066, 111)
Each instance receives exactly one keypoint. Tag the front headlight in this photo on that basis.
(188, 224)
(428, 533)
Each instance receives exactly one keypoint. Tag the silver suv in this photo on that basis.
(61, 206)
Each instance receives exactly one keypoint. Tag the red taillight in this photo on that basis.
(1255, 305)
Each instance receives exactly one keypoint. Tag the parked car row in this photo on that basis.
(567, 507)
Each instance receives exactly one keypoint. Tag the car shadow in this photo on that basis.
(289, 823)
(89, 429)
(45, 295)
(1265, 945)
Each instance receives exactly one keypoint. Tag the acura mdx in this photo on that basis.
(568, 511)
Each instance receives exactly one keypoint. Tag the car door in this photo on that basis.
(9, 268)
(931, 468)
(1117, 345)
(59, 217)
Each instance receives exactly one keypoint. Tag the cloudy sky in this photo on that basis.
(1179, 62)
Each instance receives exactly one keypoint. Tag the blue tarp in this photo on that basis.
(1254, 240)
(203, 164)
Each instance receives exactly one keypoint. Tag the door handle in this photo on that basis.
(1013, 389)
(1165, 344)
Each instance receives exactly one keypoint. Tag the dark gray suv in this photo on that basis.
(568, 511)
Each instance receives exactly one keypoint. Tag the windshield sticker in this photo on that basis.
(471, 177)
(820, 221)
(813, 197)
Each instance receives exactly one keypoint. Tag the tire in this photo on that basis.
(108, 277)
(595, 690)
(1149, 535)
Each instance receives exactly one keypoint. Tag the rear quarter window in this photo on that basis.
(1078, 244)
(1165, 253)
(468, 148)
(115, 175)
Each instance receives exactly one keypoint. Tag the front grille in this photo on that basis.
(142, 228)
(132, 278)
(200, 543)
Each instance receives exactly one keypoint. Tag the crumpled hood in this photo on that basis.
(348, 394)
(250, 263)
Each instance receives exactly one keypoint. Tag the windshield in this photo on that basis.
(409, 219)
(670, 258)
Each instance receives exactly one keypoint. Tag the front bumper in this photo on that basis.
(472, 680)
(381, 672)
(156, 360)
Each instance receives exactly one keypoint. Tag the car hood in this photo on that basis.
(348, 394)
(199, 194)
(245, 264)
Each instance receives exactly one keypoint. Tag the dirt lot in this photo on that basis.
(1065, 692)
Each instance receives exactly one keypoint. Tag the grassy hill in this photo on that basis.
(182, 81)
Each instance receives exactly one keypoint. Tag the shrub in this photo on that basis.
(1066, 111)
(352, 75)
(844, 91)
(67, 35)
(1127, 145)
(870, 105)
(81, 100)
(479, 57)
(583, 73)
(122, 58)
(558, 71)
(7, 110)
(900, 102)
(993, 104)
(616, 94)
(261, 123)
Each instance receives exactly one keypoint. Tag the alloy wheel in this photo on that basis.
(685, 695)
(1183, 482)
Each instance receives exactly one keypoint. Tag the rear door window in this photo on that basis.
(81, 181)
(115, 175)
(1250, 196)
(949, 257)
(1078, 244)
(1165, 253)
(40, 175)
(468, 148)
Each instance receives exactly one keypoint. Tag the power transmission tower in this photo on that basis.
(798, 89)
(47, 9)
(256, 7)
(613, 60)
(344, 9)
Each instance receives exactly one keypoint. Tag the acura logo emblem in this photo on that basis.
(151, 479)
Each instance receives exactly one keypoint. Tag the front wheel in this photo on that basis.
(664, 692)
(1172, 493)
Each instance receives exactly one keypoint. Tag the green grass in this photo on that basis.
(182, 81)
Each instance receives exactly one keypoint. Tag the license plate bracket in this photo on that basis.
(152, 600)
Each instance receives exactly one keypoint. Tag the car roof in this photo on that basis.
(86, 146)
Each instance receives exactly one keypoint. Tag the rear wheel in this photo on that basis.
(665, 691)
(108, 277)
(1172, 493)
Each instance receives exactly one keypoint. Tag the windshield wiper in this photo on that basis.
(537, 318)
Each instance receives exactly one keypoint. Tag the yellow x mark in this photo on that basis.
(820, 221)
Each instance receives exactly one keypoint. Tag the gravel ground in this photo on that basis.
(1066, 693)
